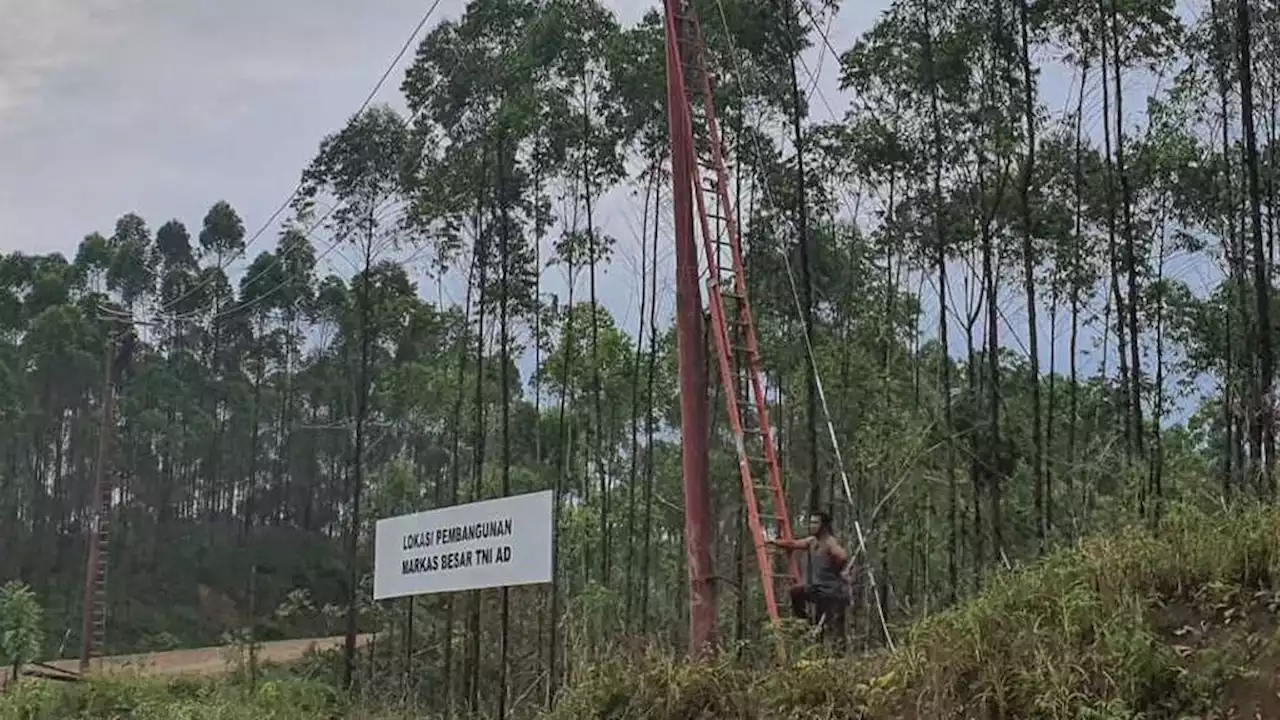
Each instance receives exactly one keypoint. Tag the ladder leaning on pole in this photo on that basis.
(736, 345)
(94, 609)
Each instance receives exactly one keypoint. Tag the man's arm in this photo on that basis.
(784, 544)
(839, 558)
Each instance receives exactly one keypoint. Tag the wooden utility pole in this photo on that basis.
(95, 567)
(691, 351)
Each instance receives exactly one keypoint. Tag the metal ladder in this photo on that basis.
(99, 609)
(736, 343)
(94, 611)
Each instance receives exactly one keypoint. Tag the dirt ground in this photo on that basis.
(198, 661)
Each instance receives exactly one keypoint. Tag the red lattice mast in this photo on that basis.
(698, 170)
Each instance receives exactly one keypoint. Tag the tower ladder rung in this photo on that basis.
(726, 275)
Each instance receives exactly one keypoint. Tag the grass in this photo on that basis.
(146, 699)
(1138, 625)
(1175, 624)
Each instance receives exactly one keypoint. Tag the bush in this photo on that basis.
(21, 624)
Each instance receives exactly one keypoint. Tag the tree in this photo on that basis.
(964, 225)
(363, 167)
(21, 634)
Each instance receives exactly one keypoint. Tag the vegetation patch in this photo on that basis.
(1138, 625)
(139, 698)
(1145, 624)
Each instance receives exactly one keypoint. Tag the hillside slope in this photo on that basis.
(1179, 623)
(189, 588)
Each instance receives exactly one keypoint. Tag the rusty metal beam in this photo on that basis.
(691, 349)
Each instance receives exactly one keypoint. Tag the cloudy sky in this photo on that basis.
(163, 107)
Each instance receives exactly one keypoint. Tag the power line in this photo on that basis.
(275, 260)
(297, 188)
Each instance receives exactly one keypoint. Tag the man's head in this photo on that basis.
(819, 523)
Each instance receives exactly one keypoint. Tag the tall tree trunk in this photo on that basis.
(1157, 461)
(1026, 193)
(455, 476)
(1263, 438)
(567, 351)
(994, 452)
(1075, 282)
(251, 483)
(480, 436)
(1130, 243)
(632, 475)
(540, 227)
(504, 345)
(940, 265)
(597, 425)
(1112, 254)
(357, 470)
(1234, 309)
(976, 476)
(806, 267)
(650, 417)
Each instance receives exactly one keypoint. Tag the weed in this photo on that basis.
(1135, 625)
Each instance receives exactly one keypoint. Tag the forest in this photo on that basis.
(1032, 304)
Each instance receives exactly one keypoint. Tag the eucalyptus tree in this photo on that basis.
(263, 277)
(577, 88)
(517, 119)
(444, 89)
(1134, 36)
(636, 65)
(131, 272)
(1169, 168)
(294, 293)
(1263, 445)
(804, 240)
(221, 237)
(479, 95)
(1028, 194)
(936, 75)
(362, 168)
(1202, 99)
(177, 269)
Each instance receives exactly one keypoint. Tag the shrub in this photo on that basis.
(21, 626)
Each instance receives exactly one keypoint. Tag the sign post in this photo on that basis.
(492, 543)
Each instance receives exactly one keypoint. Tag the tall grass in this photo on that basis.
(1178, 623)
(1169, 624)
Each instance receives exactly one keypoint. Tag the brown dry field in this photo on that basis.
(197, 661)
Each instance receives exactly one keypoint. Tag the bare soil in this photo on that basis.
(198, 661)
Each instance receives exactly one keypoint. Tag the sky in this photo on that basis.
(162, 108)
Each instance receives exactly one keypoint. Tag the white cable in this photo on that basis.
(298, 187)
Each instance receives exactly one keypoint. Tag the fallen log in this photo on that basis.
(50, 672)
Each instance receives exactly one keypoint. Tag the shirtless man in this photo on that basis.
(823, 582)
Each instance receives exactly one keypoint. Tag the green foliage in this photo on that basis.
(234, 444)
(281, 698)
(21, 625)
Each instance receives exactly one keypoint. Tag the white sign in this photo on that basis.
(493, 543)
